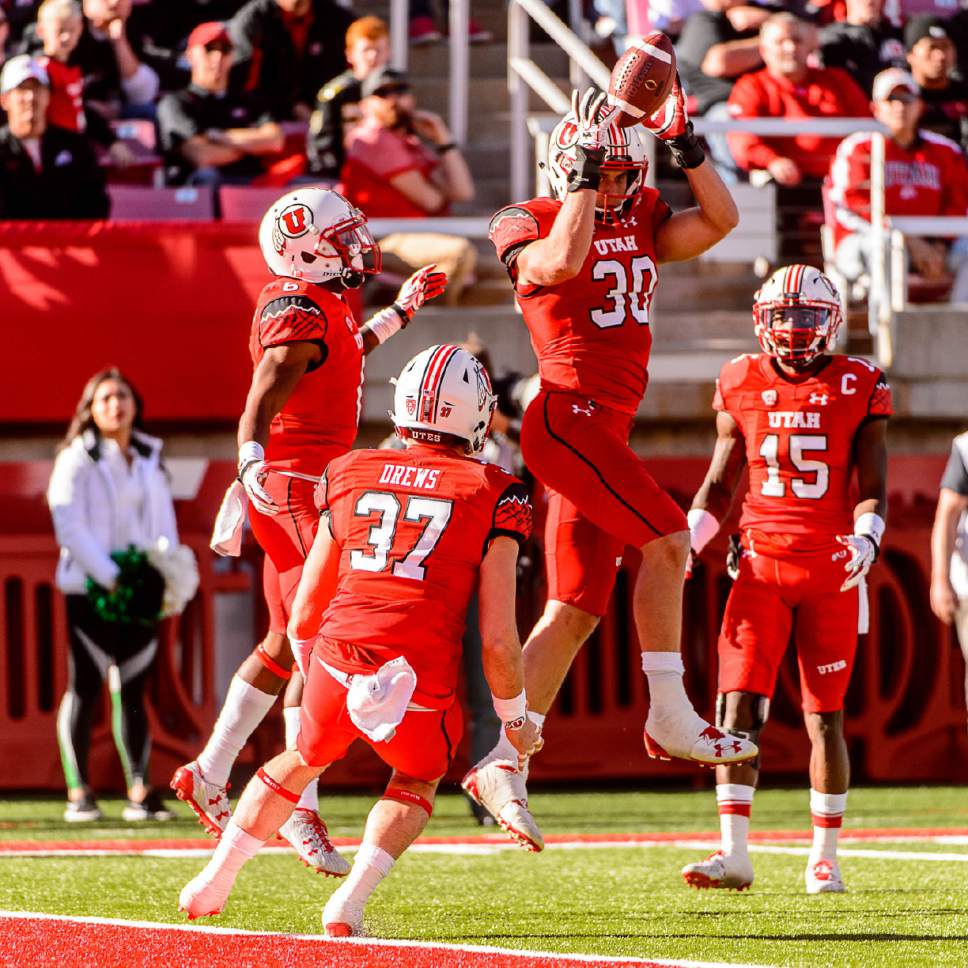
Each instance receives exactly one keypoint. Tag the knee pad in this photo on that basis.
(281, 671)
(761, 712)
(408, 797)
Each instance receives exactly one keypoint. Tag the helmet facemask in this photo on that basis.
(353, 244)
(615, 207)
(795, 331)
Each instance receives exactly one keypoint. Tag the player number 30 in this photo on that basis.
(626, 295)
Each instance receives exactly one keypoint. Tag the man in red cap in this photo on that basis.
(208, 134)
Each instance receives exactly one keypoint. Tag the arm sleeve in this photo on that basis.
(854, 102)
(701, 31)
(142, 86)
(956, 180)
(749, 150)
(719, 401)
(880, 403)
(175, 125)
(850, 184)
(70, 526)
(511, 230)
(324, 140)
(290, 318)
(512, 514)
(955, 476)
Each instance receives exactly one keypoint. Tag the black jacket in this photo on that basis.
(266, 60)
(324, 140)
(862, 51)
(69, 185)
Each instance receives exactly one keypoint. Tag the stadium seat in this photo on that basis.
(248, 203)
(136, 203)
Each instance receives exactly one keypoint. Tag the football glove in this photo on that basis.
(590, 147)
(671, 124)
(426, 283)
(863, 554)
(252, 475)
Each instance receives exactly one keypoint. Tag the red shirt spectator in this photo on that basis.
(788, 88)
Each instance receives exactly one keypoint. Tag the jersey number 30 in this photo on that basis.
(634, 293)
(435, 514)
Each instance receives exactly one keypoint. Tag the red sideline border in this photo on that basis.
(659, 837)
(28, 939)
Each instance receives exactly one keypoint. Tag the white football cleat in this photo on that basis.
(500, 788)
(210, 802)
(823, 877)
(200, 898)
(720, 870)
(341, 920)
(309, 837)
(690, 737)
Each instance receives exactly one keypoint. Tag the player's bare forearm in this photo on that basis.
(560, 255)
(266, 139)
(871, 461)
(715, 495)
(317, 584)
(274, 379)
(691, 232)
(500, 644)
(951, 505)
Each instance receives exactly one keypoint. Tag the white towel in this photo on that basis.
(227, 532)
(378, 703)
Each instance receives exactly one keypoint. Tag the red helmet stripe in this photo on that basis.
(430, 385)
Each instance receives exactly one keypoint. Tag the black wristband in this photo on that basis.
(402, 313)
(443, 149)
(587, 172)
(686, 150)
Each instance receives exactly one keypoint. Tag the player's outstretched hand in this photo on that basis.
(527, 740)
(672, 119)
(863, 553)
(426, 283)
(253, 475)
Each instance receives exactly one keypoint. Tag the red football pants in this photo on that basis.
(423, 746)
(600, 496)
(286, 538)
(774, 596)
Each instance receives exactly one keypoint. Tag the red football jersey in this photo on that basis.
(319, 420)
(412, 527)
(590, 333)
(799, 445)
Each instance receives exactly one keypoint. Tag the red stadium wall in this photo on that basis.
(905, 709)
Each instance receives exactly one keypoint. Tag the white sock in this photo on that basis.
(370, 866)
(734, 801)
(667, 693)
(235, 847)
(827, 812)
(309, 800)
(244, 708)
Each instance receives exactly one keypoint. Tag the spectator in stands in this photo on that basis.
(788, 87)
(46, 172)
(209, 135)
(4, 34)
(670, 16)
(864, 44)
(931, 56)
(949, 547)
(59, 27)
(367, 48)
(108, 491)
(286, 50)
(403, 163)
(924, 174)
(424, 30)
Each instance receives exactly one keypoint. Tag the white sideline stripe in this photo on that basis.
(383, 943)
(656, 52)
(472, 848)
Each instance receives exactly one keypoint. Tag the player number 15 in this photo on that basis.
(774, 485)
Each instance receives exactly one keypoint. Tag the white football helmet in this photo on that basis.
(317, 235)
(624, 151)
(444, 390)
(796, 314)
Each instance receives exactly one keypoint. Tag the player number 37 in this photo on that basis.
(435, 514)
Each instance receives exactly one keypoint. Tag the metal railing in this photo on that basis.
(459, 47)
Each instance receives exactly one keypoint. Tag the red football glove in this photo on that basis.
(671, 119)
(426, 283)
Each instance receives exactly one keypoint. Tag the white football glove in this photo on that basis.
(863, 554)
(592, 120)
(252, 475)
(426, 283)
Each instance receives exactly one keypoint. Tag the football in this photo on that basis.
(642, 78)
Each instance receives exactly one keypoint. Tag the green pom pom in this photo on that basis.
(138, 593)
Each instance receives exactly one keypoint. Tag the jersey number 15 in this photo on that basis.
(774, 486)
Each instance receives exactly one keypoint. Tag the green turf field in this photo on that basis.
(606, 901)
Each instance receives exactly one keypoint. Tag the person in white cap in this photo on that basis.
(46, 172)
(925, 174)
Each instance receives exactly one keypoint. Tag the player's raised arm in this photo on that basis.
(691, 232)
(714, 497)
(501, 646)
(426, 283)
(560, 255)
(870, 512)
